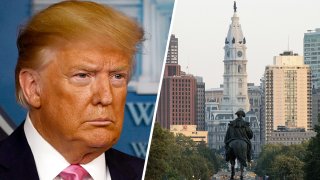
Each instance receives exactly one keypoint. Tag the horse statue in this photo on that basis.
(237, 143)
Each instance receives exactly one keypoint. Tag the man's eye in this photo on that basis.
(118, 76)
(82, 75)
(81, 78)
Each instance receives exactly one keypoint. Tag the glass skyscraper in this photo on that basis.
(311, 48)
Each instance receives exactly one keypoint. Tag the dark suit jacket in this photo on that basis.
(17, 162)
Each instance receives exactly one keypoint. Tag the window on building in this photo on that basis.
(240, 83)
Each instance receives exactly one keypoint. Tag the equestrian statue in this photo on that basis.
(237, 143)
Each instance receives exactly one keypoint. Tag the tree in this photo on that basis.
(215, 160)
(286, 167)
(279, 161)
(199, 167)
(266, 158)
(192, 164)
(159, 152)
(179, 157)
(312, 159)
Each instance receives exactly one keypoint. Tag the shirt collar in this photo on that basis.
(50, 162)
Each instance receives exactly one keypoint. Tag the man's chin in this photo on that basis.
(87, 158)
(102, 141)
(101, 145)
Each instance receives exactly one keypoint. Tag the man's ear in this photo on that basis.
(30, 84)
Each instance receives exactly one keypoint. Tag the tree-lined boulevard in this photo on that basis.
(178, 157)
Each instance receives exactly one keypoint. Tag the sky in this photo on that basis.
(270, 27)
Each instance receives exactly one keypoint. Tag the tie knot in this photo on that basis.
(74, 172)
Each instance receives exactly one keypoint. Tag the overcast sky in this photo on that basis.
(202, 26)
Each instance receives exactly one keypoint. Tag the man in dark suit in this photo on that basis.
(75, 61)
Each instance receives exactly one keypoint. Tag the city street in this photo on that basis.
(225, 175)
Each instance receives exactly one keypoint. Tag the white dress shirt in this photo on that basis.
(50, 162)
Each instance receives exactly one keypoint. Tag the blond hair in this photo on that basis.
(73, 21)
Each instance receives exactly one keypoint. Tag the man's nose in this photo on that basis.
(102, 91)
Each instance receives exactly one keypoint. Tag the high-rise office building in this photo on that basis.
(263, 111)
(311, 49)
(287, 94)
(178, 96)
(172, 55)
(315, 107)
(200, 116)
(254, 94)
(172, 67)
(177, 103)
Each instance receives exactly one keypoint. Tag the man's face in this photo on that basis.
(83, 94)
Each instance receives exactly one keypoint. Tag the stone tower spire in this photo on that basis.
(235, 89)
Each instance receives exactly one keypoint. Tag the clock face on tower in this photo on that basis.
(239, 53)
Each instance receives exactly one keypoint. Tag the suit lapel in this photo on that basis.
(116, 171)
(123, 166)
(16, 159)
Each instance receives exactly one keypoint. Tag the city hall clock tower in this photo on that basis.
(235, 89)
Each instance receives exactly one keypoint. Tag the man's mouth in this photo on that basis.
(100, 122)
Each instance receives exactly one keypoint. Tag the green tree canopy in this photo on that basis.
(287, 167)
(281, 162)
(312, 159)
(179, 157)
